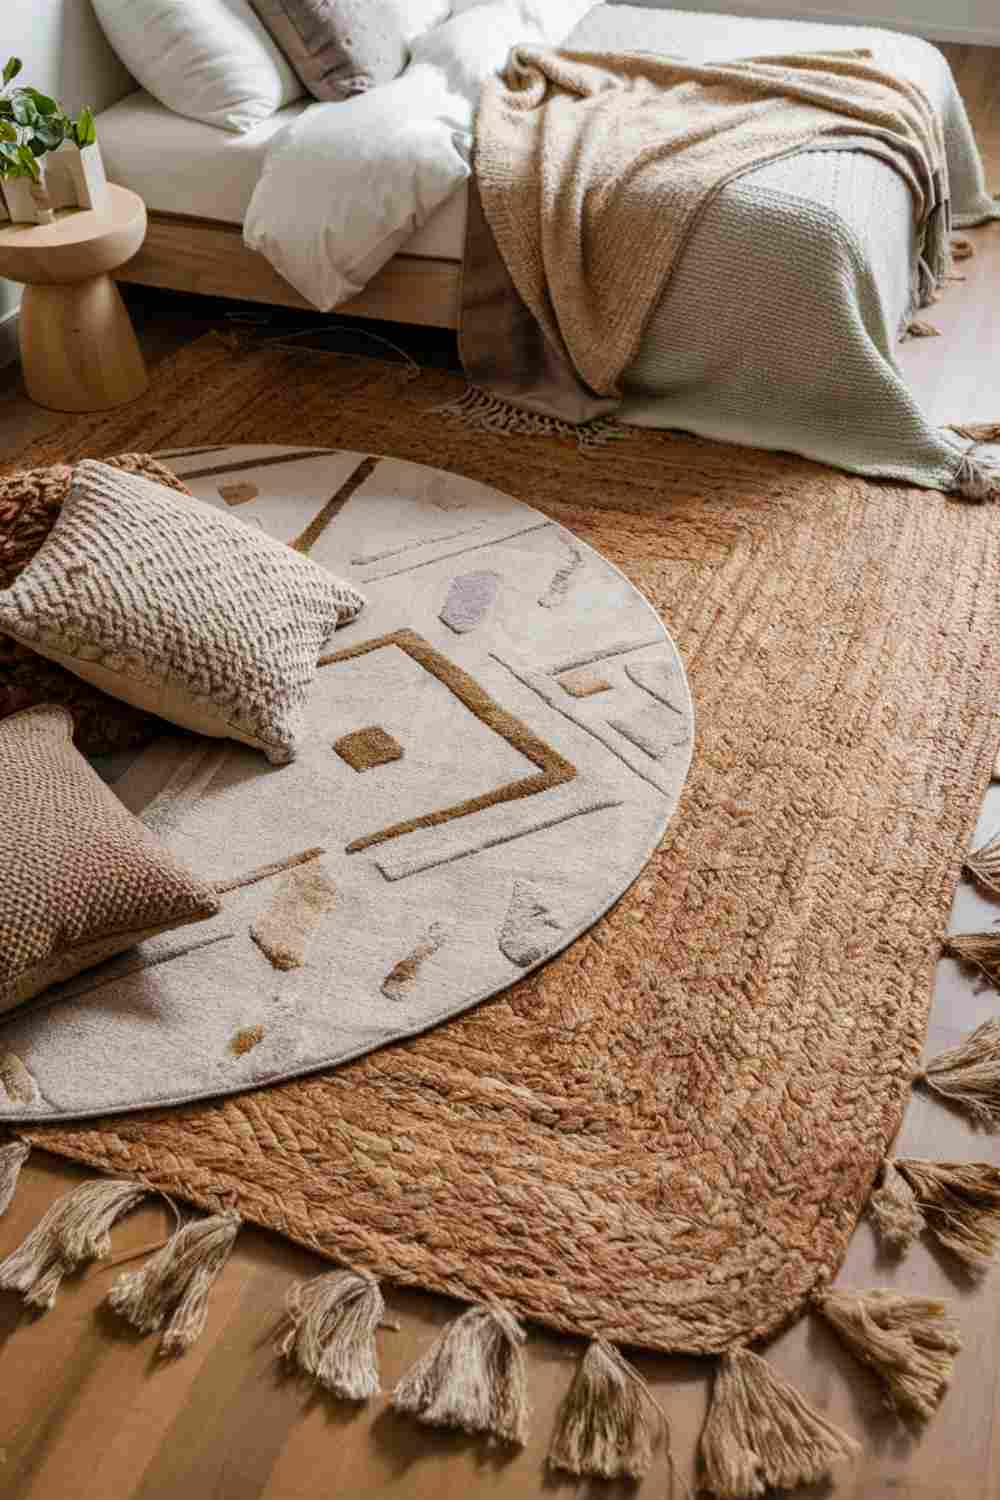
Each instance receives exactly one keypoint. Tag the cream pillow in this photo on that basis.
(178, 608)
(80, 878)
(211, 60)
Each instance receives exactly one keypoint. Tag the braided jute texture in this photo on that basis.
(666, 1135)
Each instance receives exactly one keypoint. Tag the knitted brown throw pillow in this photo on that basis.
(29, 504)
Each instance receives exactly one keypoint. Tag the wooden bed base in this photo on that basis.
(209, 257)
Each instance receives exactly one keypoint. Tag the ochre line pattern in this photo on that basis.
(252, 463)
(312, 533)
(263, 872)
(554, 770)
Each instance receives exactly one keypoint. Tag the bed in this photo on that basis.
(241, 216)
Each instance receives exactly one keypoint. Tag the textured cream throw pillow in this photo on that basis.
(80, 878)
(178, 608)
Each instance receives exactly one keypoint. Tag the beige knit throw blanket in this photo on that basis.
(591, 172)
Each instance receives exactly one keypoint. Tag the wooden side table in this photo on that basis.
(78, 346)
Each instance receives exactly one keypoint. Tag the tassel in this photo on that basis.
(472, 1377)
(608, 1420)
(960, 1204)
(977, 481)
(968, 1075)
(918, 330)
(910, 1343)
(894, 1209)
(12, 1158)
(333, 1320)
(761, 1433)
(962, 249)
(72, 1232)
(981, 950)
(983, 864)
(176, 1282)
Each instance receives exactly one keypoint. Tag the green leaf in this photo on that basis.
(8, 152)
(51, 133)
(7, 131)
(42, 102)
(84, 129)
(27, 160)
(25, 112)
(6, 109)
(12, 67)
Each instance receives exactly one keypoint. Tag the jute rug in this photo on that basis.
(665, 1136)
(491, 752)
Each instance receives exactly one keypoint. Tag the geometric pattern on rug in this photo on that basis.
(447, 826)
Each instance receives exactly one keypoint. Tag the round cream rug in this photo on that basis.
(496, 746)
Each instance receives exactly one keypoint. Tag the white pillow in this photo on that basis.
(209, 59)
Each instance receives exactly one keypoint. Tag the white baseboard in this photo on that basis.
(788, 10)
(8, 338)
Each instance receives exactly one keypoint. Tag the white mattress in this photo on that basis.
(180, 166)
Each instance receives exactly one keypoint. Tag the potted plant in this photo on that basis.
(48, 160)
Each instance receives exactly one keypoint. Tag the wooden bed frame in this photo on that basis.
(208, 256)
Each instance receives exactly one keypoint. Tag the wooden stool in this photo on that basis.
(78, 347)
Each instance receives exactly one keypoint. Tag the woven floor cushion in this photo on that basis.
(29, 504)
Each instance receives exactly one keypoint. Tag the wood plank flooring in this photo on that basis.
(87, 1412)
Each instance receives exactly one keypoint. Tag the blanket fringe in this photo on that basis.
(12, 1158)
(975, 480)
(977, 432)
(73, 1231)
(962, 249)
(472, 1377)
(482, 412)
(176, 1282)
(917, 329)
(608, 1421)
(959, 1202)
(909, 1342)
(761, 1433)
(980, 950)
(968, 1075)
(983, 864)
(333, 1319)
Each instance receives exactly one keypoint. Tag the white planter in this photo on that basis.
(70, 178)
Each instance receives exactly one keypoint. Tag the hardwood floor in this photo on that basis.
(88, 1413)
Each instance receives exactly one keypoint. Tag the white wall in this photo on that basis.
(975, 21)
(64, 54)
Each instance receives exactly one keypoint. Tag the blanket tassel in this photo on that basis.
(959, 1202)
(176, 1282)
(73, 1231)
(12, 1158)
(761, 1433)
(909, 1342)
(472, 1377)
(968, 1076)
(333, 1320)
(980, 950)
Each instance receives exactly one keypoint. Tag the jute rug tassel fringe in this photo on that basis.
(760, 1433)
(959, 1202)
(472, 1377)
(176, 1282)
(609, 1421)
(977, 432)
(75, 1230)
(333, 1320)
(981, 950)
(968, 1076)
(909, 1342)
(962, 249)
(12, 1158)
(983, 866)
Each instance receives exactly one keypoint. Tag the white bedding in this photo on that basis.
(180, 166)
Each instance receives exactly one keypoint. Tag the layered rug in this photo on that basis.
(491, 752)
(666, 1135)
